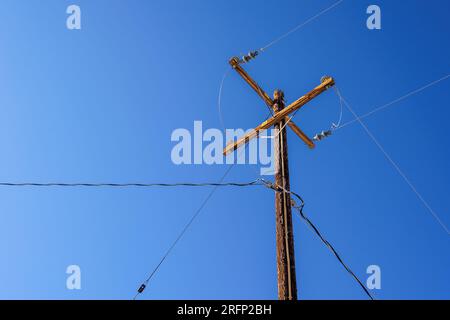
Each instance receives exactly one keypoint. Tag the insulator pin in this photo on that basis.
(250, 56)
(322, 135)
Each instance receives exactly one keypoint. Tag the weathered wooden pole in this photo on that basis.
(287, 283)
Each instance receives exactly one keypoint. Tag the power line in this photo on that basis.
(258, 182)
(394, 164)
(128, 185)
(330, 246)
(253, 54)
(301, 25)
(219, 98)
(194, 217)
(219, 101)
(299, 208)
(395, 101)
(333, 125)
(186, 227)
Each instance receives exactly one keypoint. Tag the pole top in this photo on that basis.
(234, 61)
(278, 95)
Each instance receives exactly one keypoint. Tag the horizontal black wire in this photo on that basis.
(258, 182)
(127, 185)
(186, 227)
(270, 185)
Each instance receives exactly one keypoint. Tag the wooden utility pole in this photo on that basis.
(287, 283)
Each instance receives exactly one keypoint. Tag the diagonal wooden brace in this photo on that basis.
(234, 62)
(279, 116)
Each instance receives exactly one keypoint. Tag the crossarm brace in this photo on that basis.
(277, 117)
(234, 62)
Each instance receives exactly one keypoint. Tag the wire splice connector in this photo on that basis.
(142, 288)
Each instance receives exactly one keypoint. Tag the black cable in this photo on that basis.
(302, 215)
(299, 208)
(126, 185)
(258, 182)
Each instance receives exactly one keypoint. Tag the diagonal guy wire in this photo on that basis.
(395, 165)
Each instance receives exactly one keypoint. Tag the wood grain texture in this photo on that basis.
(287, 283)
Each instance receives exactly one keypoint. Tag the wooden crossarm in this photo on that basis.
(232, 146)
(327, 83)
(277, 117)
(234, 62)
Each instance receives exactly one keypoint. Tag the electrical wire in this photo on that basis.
(394, 164)
(286, 123)
(127, 185)
(301, 25)
(375, 110)
(299, 209)
(193, 218)
(257, 182)
(331, 248)
(219, 101)
(183, 231)
(219, 98)
(335, 126)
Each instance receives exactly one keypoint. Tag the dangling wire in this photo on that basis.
(299, 209)
(219, 99)
(315, 229)
(257, 182)
(334, 126)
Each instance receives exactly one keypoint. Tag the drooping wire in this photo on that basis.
(219, 98)
(331, 248)
(335, 126)
(299, 209)
(258, 182)
(219, 101)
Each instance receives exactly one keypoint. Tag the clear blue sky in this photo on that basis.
(100, 104)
